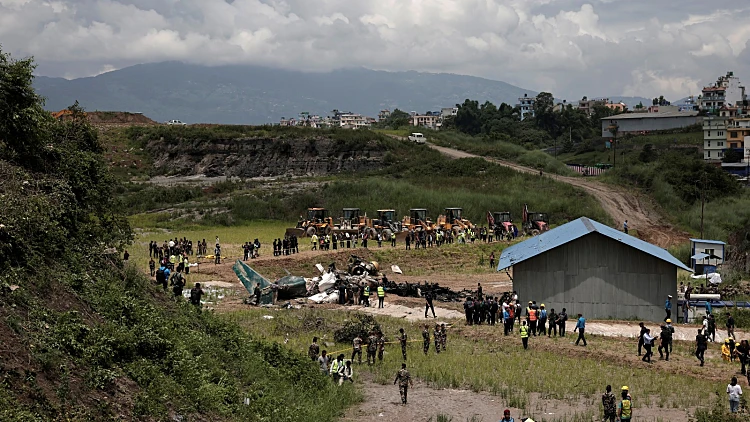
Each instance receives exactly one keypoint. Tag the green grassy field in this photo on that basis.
(482, 359)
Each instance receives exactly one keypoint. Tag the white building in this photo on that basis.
(714, 137)
(353, 121)
(526, 106)
(431, 121)
(726, 91)
(448, 111)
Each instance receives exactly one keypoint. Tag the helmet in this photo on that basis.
(624, 388)
(542, 305)
(669, 321)
(737, 344)
(726, 340)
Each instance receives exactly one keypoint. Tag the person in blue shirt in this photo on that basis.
(668, 308)
(507, 321)
(581, 328)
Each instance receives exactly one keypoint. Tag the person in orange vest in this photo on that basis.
(533, 316)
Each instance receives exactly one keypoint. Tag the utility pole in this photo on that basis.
(613, 129)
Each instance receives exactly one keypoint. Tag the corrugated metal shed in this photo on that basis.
(574, 230)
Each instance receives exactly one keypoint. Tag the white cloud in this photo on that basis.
(572, 47)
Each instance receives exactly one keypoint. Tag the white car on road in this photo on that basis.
(417, 138)
(175, 122)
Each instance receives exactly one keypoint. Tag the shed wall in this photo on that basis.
(600, 278)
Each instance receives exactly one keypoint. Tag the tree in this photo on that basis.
(543, 115)
(614, 129)
(639, 106)
(468, 118)
(397, 119)
(732, 155)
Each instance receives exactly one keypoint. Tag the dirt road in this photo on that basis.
(619, 203)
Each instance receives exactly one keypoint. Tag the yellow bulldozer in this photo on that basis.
(453, 221)
(319, 221)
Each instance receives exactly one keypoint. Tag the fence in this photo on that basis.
(586, 170)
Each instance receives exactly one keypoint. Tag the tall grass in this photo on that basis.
(482, 359)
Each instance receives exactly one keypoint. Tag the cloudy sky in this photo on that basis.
(569, 47)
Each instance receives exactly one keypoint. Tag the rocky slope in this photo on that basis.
(263, 156)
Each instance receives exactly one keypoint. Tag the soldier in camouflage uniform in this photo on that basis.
(357, 348)
(443, 336)
(402, 340)
(380, 342)
(426, 338)
(404, 381)
(372, 347)
(437, 336)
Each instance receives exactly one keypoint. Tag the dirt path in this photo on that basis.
(383, 403)
(619, 203)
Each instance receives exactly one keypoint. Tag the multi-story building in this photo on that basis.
(587, 106)
(526, 106)
(738, 134)
(431, 121)
(726, 91)
(448, 111)
(714, 138)
(384, 114)
(353, 121)
(617, 107)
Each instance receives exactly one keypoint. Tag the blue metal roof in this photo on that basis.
(711, 242)
(572, 231)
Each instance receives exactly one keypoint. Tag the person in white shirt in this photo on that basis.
(648, 343)
(735, 392)
(705, 328)
(345, 372)
(323, 362)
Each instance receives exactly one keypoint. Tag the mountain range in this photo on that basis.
(256, 95)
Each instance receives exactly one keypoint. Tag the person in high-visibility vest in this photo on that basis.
(532, 320)
(366, 296)
(337, 363)
(381, 295)
(314, 241)
(525, 334)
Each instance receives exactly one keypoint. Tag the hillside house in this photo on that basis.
(706, 255)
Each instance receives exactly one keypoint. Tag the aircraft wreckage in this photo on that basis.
(327, 287)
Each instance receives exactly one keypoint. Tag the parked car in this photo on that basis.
(175, 122)
(417, 138)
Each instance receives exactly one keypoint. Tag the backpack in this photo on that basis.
(160, 276)
(625, 406)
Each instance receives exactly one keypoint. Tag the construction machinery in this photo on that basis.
(318, 222)
(453, 221)
(501, 223)
(351, 222)
(386, 224)
(534, 222)
(417, 220)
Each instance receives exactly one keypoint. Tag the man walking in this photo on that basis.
(357, 349)
(730, 325)
(426, 339)
(403, 340)
(552, 323)
(380, 342)
(648, 343)
(668, 308)
(542, 324)
(666, 338)
(372, 348)
(312, 351)
(701, 344)
(404, 382)
(428, 304)
(561, 319)
(625, 226)
(640, 337)
(608, 402)
(524, 334)
(580, 327)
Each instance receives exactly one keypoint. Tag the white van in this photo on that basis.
(417, 138)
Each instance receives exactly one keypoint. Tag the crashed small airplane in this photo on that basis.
(287, 287)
